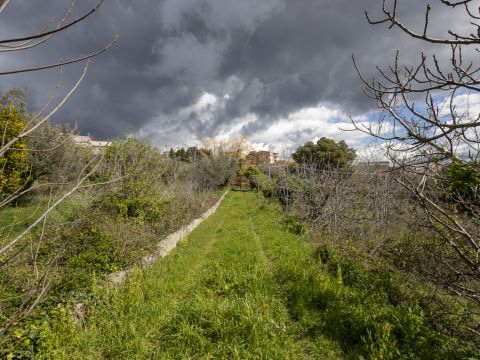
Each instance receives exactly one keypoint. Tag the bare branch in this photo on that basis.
(62, 63)
(3, 5)
(59, 29)
(46, 118)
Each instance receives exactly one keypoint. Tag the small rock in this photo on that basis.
(79, 313)
(117, 277)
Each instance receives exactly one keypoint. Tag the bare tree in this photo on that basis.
(29, 41)
(12, 245)
(342, 204)
(431, 131)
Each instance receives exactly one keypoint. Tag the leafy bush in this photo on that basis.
(13, 164)
(211, 173)
(362, 318)
(463, 181)
(293, 226)
(91, 253)
(56, 159)
(266, 185)
(325, 254)
(252, 173)
(351, 272)
(37, 337)
(139, 206)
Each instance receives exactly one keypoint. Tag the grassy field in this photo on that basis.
(245, 286)
(15, 219)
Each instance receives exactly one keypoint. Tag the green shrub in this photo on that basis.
(252, 173)
(325, 254)
(362, 319)
(14, 163)
(292, 225)
(92, 252)
(351, 272)
(266, 185)
(140, 206)
(463, 181)
(37, 336)
(378, 308)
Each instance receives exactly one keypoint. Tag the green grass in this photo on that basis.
(15, 219)
(244, 286)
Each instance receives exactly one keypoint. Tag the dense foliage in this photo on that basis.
(463, 181)
(13, 164)
(325, 153)
(283, 298)
(367, 217)
(56, 158)
(145, 195)
(192, 154)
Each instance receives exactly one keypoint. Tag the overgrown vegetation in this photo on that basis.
(369, 221)
(434, 140)
(140, 195)
(282, 298)
(392, 270)
(13, 164)
(364, 292)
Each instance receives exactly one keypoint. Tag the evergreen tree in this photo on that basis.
(325, 153)
(181, 154)
(14, 163)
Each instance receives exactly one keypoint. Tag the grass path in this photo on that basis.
(243, 287)
(215, 296)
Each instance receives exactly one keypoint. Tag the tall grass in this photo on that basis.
(245, 286)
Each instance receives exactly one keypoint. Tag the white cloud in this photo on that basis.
(466, 110)
(467, 106)
(308, 124)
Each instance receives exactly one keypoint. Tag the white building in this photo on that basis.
(88, 142)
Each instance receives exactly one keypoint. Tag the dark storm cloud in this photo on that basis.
(263, 57)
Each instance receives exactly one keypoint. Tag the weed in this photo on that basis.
(253, 291)
(293, 226)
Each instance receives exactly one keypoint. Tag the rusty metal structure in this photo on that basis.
(240, 184)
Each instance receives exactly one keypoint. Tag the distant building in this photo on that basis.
(262, 157)
(87, 142)
(82, 140)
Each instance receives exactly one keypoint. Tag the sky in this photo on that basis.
(278, 71)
